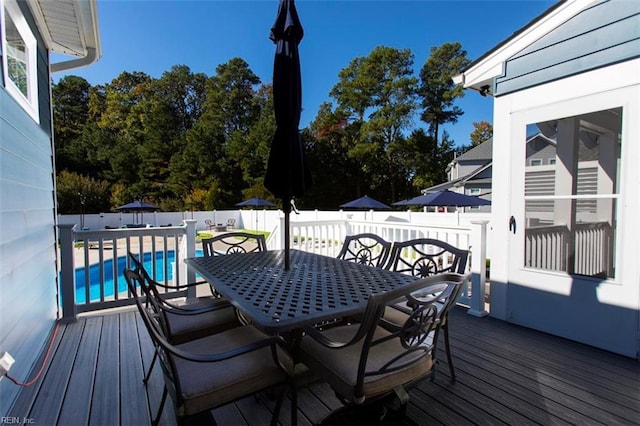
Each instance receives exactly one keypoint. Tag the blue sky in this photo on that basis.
(153, 35)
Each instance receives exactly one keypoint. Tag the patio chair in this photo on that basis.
(233, 242)
(190, 302)
(212, 371)
(231, 223)
(210, 224)
(423, 257)
(367, 249)
(377, 362)
(189, 321)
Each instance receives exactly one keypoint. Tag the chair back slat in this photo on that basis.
(233, 242)
(367, 249)
(423, 257)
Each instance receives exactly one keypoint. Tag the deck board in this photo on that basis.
(506, 374)
(570, 387)
(80, 390)
(48, 404)
(105, 407)
(133, 395)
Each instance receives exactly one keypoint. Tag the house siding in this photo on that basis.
(601, 35)
(28, 277)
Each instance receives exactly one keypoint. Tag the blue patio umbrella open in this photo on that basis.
(136, 207)
(365, 202)
(288, 174)
(255, 202)
(444, 198)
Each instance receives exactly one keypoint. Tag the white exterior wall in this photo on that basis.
(617, 302)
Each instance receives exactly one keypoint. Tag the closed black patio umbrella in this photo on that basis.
(288, 175)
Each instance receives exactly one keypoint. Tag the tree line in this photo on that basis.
(187, 141)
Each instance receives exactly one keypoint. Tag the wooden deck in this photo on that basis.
(505, 375)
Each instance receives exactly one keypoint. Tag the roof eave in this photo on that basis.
(480, 74)
(81, 15)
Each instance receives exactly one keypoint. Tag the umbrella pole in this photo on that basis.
(286, 205)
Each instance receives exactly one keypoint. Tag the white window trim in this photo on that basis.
(30, 102)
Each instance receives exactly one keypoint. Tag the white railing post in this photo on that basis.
(67, 275)
(280, 241)
(189, 247)
(478, 267)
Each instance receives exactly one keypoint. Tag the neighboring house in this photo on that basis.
(566, 207)
(30, 31)
(470, 174)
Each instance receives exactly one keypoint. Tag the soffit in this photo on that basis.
(69, 27)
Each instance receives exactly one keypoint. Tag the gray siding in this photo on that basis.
(604, 34)
(28, 273)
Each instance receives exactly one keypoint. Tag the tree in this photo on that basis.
(437, 90)
(81, 194)
(377, 93)
(335, 173)
(70, 115)
(482, 131)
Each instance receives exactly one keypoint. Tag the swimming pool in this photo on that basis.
(94, 275)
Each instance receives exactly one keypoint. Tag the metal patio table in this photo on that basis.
(316, 288)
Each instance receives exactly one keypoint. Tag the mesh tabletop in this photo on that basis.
(315, 288)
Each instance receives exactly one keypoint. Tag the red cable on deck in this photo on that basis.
(44, 362)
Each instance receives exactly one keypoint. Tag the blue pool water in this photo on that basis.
(94, 275)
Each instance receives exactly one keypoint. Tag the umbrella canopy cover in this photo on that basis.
(138, 206)
(365, 202)
(288, 174)
(444, 198)
(255, 202)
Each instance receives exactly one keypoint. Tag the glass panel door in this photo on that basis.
(571, 188)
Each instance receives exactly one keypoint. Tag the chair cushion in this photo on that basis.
(339, 367)
(204, 302)
(183, 328)
(205, 385)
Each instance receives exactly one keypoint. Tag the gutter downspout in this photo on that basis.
(91, 57)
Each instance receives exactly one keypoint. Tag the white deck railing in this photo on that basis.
(587, 251)
(101, 255)
(99, 258)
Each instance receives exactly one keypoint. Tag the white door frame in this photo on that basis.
(617, 301)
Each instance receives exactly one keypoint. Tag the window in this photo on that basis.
(19, 62)
(536, 162)
(570, 207)
(474, 192)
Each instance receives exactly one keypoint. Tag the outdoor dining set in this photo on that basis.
(366, 322)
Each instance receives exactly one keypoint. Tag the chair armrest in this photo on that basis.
(180, 286)
(183, 310)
